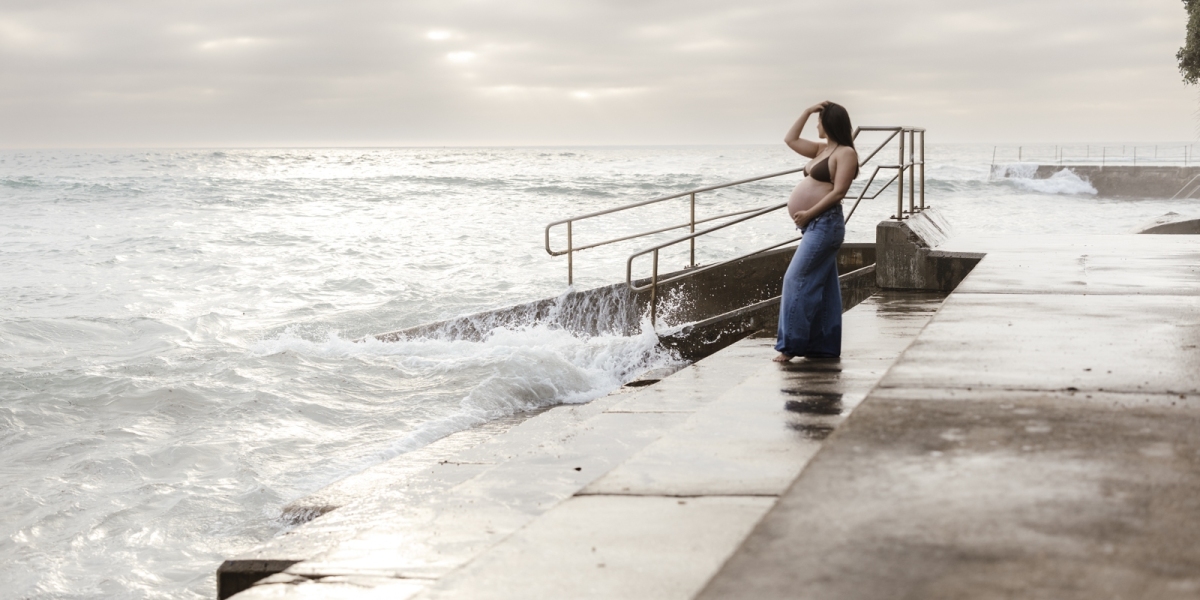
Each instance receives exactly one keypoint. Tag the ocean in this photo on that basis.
(178, 327)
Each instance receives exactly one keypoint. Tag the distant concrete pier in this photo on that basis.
(1134, 181)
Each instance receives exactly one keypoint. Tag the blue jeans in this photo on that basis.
(810, 313)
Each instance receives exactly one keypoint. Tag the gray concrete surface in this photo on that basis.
(434, 473)
(583, 549)
(671, 513)
(1039, 439)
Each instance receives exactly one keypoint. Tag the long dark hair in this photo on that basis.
(836, 122)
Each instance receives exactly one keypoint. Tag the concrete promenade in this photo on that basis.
(639, 494)
(1039, 439)
(1037, 435)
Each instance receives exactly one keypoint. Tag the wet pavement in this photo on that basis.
(1039, 439)
(640, 494)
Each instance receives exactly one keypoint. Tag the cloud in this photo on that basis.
(280, 72)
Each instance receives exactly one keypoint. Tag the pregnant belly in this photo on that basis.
(807, 193)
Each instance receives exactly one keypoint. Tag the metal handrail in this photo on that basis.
(912, 165)
(692, 222)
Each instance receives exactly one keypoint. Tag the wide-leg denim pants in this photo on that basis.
(810, 312)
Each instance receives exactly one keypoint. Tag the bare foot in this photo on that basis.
(782, 358)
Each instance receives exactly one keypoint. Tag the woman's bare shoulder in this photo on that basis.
(846, 151)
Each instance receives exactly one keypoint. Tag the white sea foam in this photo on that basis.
(510, 370)
(1063, 181)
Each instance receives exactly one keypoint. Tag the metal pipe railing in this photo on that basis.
(691, 236)
(915, 163)
(570, 249)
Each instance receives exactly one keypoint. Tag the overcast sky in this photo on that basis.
(518, 72)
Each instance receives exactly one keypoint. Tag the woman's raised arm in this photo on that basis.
(802, 146)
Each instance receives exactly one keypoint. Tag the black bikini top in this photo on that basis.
(820, 171)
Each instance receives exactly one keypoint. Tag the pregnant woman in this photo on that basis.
(810, 313)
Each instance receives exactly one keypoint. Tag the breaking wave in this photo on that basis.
(1024, 177)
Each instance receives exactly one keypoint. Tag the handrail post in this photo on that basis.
(900, 181)
(654, 291)
(912, 171)
(922, 169)
(693, 228)
(570, 257)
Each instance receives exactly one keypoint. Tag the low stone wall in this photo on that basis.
(616, 309)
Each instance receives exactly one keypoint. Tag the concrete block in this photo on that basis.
(907, 259)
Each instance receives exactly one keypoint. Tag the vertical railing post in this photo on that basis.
(570, 257)
(654, 291)
(912, 171)
(922, 169)
(693, 228)
(900, 181)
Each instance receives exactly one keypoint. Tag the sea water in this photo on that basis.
(178, 328)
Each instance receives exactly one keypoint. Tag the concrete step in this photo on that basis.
(447, 502)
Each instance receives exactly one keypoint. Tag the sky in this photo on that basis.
(212, 73)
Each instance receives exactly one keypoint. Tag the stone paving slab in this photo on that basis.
(1025, 496)
(1128, 343)
(698, 384)
(606, 547)
(1091, 264)
(408, 501)
(429, 538)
